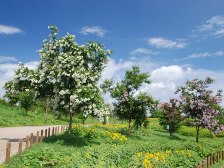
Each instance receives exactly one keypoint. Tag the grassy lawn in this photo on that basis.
(110, 146)
(15, 116)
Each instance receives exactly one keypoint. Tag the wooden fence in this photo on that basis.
(31, 139)
(211, 160)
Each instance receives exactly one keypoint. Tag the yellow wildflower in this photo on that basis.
(157, 154)
(182, 152)
(139, 154)
(156, 158)
(87, 155)
(147, 163)
(149, 155)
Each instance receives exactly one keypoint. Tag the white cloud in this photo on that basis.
(160, 42)
(143, 51)
(202, 55)
(212, 27)
(165, 79)
(7, 59)
(99, 31)
(4, 29)
(116, 70)
(7, 72)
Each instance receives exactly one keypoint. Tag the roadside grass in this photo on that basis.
(15, 116)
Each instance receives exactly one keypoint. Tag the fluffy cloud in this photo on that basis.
(165, 79)
(212, 27)
(7, 59)
(7, 72)
(142, 51)
(160, 42)
(4, 29)
(116, 69)
(99, 31)
(202, 55)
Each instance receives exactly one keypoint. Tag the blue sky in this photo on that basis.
(179, 39)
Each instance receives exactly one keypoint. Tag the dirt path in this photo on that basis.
(13, 135)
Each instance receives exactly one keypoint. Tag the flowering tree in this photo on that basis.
(170, 115)
(200, 105)
(125, 93)
(69, 73)
(20, 84)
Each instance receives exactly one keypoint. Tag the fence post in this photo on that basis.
(27, 142)
(216, 158)
(20, 147)
(205, 163)
(45, 136)
(37, 137)
(31, 140)
(8, 150)
(212, 159)
(53, 131)
(41, 135)
(56, 130)
(208, 160)
(49, 132)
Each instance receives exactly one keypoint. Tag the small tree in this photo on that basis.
(128, 105)
(170, 116)
(200, 105)
(20, 83)
(26, 99)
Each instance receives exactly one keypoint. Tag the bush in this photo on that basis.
(45, 157)
(191, 131)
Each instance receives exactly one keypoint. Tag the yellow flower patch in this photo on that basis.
(116, 136)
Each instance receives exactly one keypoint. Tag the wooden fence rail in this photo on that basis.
(29, 140)
(211, 160)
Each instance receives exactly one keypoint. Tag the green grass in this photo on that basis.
(218, 165)
(15, 116)
(105, 146)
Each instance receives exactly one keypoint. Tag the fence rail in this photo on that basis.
(211, 160)
(27, 143)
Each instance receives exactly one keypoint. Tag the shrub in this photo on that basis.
(190, 131)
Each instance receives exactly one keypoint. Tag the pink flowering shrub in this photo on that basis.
(200, 104)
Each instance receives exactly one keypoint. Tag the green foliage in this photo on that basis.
(26, 99)
(190, 131)
(130, 104)
(45, 157)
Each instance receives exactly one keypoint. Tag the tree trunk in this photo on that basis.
(197, 133)
(46, 109)
(129, 123)
(70, 123)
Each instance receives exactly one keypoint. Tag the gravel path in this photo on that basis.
(13, 135)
